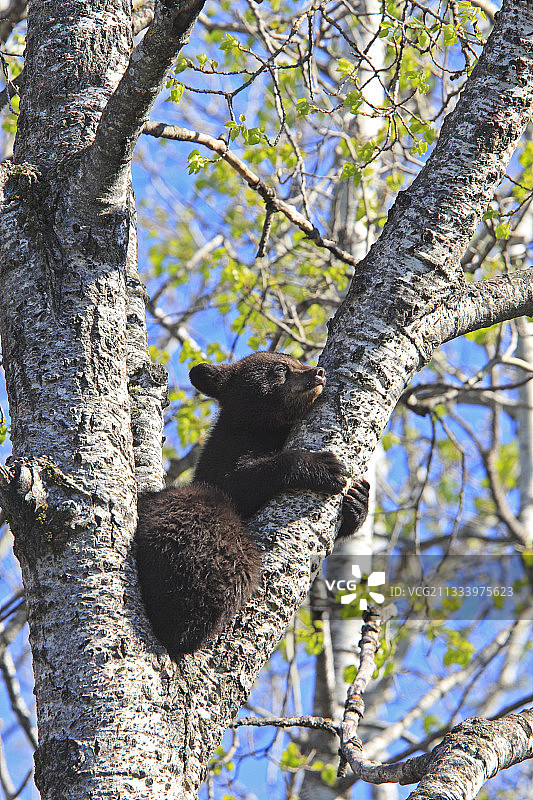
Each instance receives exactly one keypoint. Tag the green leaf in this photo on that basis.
(176, 93)
(366, 152)
(350, 673)
(450, 35)
(460, 650)
(181, 64)
(423, 39)
(292, 757)
(353, 100)
(329, 774)
(431, 723)
(345, 67)
(158, 356)
(196, 162)
(502, 231)
(388, 440)
(303, 107)
(347, 171)
(419, 148)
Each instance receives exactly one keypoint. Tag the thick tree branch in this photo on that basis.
(473, 752)
(488, 302)
(469, 754)
(108, 159)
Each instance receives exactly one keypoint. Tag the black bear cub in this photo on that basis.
(197, 564)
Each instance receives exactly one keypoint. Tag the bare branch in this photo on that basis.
(254, 182)
(288, 722)
(351, 746)
(5, 778)
(7, 667)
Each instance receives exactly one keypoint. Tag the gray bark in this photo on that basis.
(74, 343)
(115, 718)
(472, 753)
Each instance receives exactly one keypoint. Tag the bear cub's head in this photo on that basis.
(263, 389)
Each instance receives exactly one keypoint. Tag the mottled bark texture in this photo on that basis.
(85, 400)
(472, 753)
(116, 719)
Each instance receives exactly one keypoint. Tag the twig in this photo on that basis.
(7, 667)
(289, 722)
(351, 746)
(267, 225)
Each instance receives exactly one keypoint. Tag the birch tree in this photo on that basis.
(116, 717)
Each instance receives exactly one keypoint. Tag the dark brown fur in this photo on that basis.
(197, 564)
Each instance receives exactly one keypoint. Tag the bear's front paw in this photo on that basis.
(354, 508)
(330, 474)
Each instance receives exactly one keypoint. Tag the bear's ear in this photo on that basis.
(210, 379)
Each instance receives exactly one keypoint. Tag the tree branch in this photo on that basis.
(473, 752)
(7, 667)
(488, 302)
(109, 157)
(305, 721)
(254, 182)
(351, 746)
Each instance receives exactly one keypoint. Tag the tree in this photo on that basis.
(86, 409)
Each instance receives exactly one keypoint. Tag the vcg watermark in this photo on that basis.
(373, 580)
